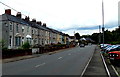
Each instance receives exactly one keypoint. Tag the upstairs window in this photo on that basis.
(23, 29)
(32, 32)
(27, 29)
(17, 30)
(6, 24)
(10, 27)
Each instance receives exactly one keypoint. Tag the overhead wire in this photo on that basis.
(11, 7)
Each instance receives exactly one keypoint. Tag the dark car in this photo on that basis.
(114, 48)
(82, 45)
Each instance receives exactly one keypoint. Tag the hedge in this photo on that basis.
(8, 53)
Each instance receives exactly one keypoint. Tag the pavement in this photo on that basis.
(96, 67)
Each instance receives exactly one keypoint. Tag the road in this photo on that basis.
(68, 62)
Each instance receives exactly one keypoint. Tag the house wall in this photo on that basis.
(14, 33)
(5, 33)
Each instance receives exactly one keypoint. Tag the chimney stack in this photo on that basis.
(19, 15)
(27, 18)
(44, 24)
(33, 20)
(39, 23)
(8, 11)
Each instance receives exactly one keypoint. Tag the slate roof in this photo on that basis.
(13, 18)
(21, 21)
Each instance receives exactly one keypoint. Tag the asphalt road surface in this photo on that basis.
(68, 62)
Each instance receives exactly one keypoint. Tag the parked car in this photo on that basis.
(113, 48)
(82, 45)
(114, 56)
(103, 49)
(104, 45)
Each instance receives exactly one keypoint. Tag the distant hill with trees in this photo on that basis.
(111, 37)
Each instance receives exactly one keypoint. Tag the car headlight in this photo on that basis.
(113, 55)
(117, 55)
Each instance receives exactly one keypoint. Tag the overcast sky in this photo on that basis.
(81, 16)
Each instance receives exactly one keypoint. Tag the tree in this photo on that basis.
(77, 35)
(2, 44)
(108, 36)
(95, 37)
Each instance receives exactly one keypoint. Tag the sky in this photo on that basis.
(68, 16)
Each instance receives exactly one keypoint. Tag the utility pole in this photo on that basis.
(103, 20)
(74, 36)
(99, 34)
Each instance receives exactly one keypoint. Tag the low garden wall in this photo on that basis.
(9, 53)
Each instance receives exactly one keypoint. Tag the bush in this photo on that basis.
(4, 48)
(115, 42)
(26, 45)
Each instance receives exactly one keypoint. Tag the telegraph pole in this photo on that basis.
(74, 36)
(103, 20)
(99, 34)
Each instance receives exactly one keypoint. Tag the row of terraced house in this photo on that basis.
(16, 30)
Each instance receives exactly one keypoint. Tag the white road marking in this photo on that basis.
(86, 66)
(60, 58)
(108, 72)
(40, 65)
(115, 71)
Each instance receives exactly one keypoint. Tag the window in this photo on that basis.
(36, 32)
(27, 29)
(23, 29)
(6, 24)
(17, 41)
(17, 30)
(32, 32)
(22, 40)
(10, 27)
(10, 40)
(42, 42)
(36, 40)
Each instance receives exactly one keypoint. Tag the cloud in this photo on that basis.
(81, 32)
(91, 27)
(86, 31)
(83, 16)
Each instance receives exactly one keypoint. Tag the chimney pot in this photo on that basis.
(27, 18)
(39, 23)
(8, 11)
(33, 20)
(44, 24)
(19, 15)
